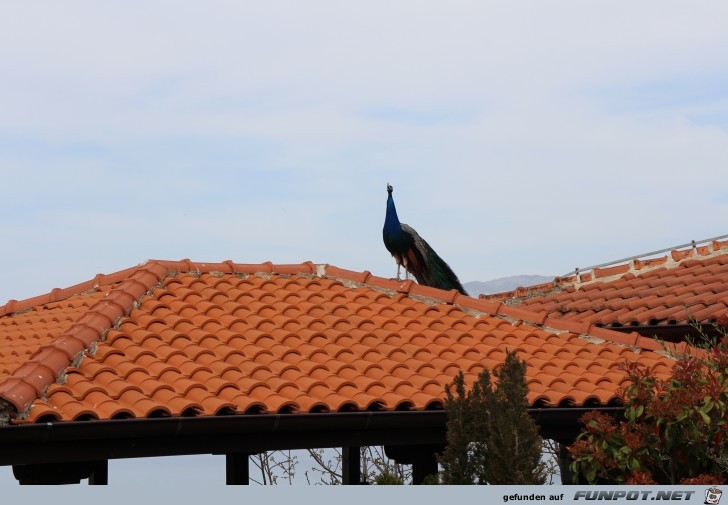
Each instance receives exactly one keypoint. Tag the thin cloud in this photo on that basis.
(575, 132)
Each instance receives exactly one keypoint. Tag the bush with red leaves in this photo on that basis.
(674, 431)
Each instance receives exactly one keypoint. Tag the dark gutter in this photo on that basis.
(75, 441)
(672, 333)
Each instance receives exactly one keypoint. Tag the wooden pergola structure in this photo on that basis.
(68, 452)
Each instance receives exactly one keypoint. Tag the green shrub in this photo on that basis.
(674, 431)
(491, 438)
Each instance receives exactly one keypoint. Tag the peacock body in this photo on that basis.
(414, 253)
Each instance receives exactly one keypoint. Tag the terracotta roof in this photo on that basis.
(688, 285)
(181, 338)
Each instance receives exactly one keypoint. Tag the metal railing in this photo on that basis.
(692, 243)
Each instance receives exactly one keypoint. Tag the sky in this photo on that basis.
(523, 137)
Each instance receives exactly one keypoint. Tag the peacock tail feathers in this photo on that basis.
(413, 253)
(433, 271)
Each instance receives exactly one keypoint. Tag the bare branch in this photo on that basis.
(328, 469)
(273, 465)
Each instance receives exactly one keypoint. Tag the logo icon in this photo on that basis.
(712, 496)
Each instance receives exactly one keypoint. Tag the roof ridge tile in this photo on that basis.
(641, 292)
(332, 271)
(70, 344)
(494, 308)
(635, 267)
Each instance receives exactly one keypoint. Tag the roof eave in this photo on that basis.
(55, 442)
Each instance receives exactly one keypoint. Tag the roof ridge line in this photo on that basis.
(501, 310)
(637, 266)
(185, 265)
(30, 380)
(229, 266)
(58, 294)
(608, 272)
(680, 250)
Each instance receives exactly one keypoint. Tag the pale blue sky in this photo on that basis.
(521, 137)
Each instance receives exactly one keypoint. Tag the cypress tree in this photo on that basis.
(491, 438)
(458, 467)
(514, 445)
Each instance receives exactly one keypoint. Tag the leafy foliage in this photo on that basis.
(491, 438)
(674, 431)
(431, 480)
(462, 459)
(387, 479)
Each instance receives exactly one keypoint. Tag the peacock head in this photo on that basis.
(389, 188)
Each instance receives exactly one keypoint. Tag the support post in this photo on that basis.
(350, 465)
(237, 469)
(423, 458)
(100, 475)
(54, 473)
(424, 465)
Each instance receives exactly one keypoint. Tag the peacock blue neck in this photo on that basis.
(391, 221)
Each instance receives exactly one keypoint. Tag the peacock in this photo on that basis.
(415, 254)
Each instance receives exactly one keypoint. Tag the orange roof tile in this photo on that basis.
(689, 285)
(188, 339)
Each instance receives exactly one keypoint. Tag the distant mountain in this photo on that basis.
(476, 288)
